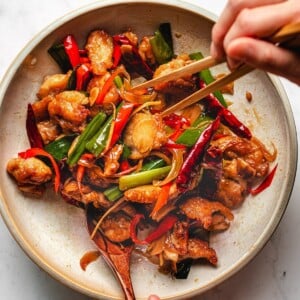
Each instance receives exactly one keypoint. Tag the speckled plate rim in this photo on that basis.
(272, 224)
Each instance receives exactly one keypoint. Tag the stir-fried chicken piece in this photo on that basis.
(111, 160)
(177, 246)
(116, 227)
(133, 38)
(96, 177)
(53, 84)
(95, 86)
(182, 84)
(40, 108)
(200, 249)
(68, 109)
(231, 193)
(71, 192)
(143, 194)
(100, 51)
(212, 215)
(251, 160)
(31, 170)
(144, 133)
(48, 130)
(145, 50)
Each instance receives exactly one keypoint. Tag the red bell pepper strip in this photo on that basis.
(83, 74)
(195, 154)
(116, 53)
(124, 165)
(164, 226)
(32, 152)
(215, 108)
(265, 184)
(107, 85)
(162, 198)
(33, 133)
(121, 121)
(72, 50)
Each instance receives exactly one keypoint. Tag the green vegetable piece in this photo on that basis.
(86, 135)
(98, 142)
(153, 164)
(60, 147)
(161, 50)
(191, 135)
(71, 85)
(113, 193)
(126, 152)
(59, 54)
(118, 81)
(208, 78)
(142, 178)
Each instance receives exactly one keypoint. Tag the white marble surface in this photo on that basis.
(273, 274)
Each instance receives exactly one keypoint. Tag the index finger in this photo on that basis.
(227, 18)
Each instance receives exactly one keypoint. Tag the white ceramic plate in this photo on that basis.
(53, 233)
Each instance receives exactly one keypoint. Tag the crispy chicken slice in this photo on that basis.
(212, 215)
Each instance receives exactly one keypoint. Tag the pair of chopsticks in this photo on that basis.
(288, 37)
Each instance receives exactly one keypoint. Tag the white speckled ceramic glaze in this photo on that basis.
(53, 233)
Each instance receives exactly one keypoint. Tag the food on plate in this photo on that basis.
(157, 183)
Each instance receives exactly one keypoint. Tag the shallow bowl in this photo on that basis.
(54, 234)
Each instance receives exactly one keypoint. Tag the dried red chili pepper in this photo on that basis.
(32, 152)
(196, 154)
(265, 184)
(164, 226)
(215, 108)
(33, 133)
(132, 59)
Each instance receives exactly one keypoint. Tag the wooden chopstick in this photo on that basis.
(286, 36)
(189, 69)
(216, 85)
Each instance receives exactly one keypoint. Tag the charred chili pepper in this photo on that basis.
(196, 154)
(265, 184)
(33, 133)
(32, 152)
(163, 227)
(72, 50)
(91, 129)
(131, 58)
(214, 108)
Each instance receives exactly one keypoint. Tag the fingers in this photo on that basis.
(264, 55)
(228, 17)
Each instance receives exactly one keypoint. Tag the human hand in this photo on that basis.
(237, 33)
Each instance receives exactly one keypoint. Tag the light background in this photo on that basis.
(273, 274)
